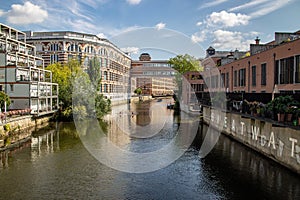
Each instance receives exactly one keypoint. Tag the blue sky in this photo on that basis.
(193, 25)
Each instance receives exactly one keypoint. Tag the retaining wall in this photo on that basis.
(276, 141)
(21, 128)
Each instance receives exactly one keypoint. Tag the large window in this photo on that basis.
(227, 80)
(54, 58)
(235, 78)
(254, 75)
(242, 77)
(297, 69)
(285, 68)
(264, 74)
(223, 79)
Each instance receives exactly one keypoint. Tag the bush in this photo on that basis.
(7, 127)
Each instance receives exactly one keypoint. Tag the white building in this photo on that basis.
(22, 74)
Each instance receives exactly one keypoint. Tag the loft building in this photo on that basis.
(61, 46)
(271, 67)
(154, 77)
(23, 76)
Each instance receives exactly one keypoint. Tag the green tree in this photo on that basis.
(182, 64)
(4, 97)
(138, 91)
(94, 72)
(64, 75)
(185, 63)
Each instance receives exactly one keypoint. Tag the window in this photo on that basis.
(286, 70)
(105, 88)
(242, 77)
(235, 78)
(54, 58)
(264, 74)
(54, 47)
(227, 80)
(297, 69)
(223, 79)
(105, 75)
(254, 75)
(11, 87)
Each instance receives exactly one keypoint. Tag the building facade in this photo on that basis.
(23, 76)
(62, 46)
(192, 90)
(154, 77)
(271, 67)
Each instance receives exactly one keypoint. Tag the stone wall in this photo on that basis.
(274, 140)
(21, 128)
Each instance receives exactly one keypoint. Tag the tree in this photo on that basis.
(185, 63)
(88, 100)
(182, 64)
(64, 75)
(4, 98)
(138, 91)
(94, 72)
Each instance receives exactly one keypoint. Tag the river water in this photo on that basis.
(56, 164)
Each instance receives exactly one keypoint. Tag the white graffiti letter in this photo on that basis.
(293, 140)
(255, 132)
(272, 140)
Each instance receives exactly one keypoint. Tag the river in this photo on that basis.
(56, 164)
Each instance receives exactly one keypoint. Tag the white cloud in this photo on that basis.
(133, 2)
(101, 35)
(26, 14)
(199, 36)
(131, 50)
(226, 19)
(261, 7)
(269, 7)
(160, 26)
(212, 3)
(2, 13)
(199, 23)
(248, 5)
(232, 40)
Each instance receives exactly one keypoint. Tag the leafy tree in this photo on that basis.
(61, 74)
(88, 100)
(94, 72)
(185, 63)
(138, 91)
(4, 97)
(182, 64)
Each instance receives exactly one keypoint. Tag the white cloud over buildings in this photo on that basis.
(27, 13)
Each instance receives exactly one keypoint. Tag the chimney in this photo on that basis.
(257, 40)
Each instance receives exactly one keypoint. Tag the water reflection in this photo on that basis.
(236, 166)
(55, 165)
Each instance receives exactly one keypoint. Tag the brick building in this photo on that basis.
(270, 67)
(154, 77)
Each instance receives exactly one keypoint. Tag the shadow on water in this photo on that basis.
(244, 173)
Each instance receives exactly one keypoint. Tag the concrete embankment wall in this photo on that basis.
(20, 129)
(274, 140)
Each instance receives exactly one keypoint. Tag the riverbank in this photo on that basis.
(18, 130)
(276, 141)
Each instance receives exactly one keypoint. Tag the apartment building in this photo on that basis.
(23, 76)
(154, 77)
(268, 68)
(61, 46)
